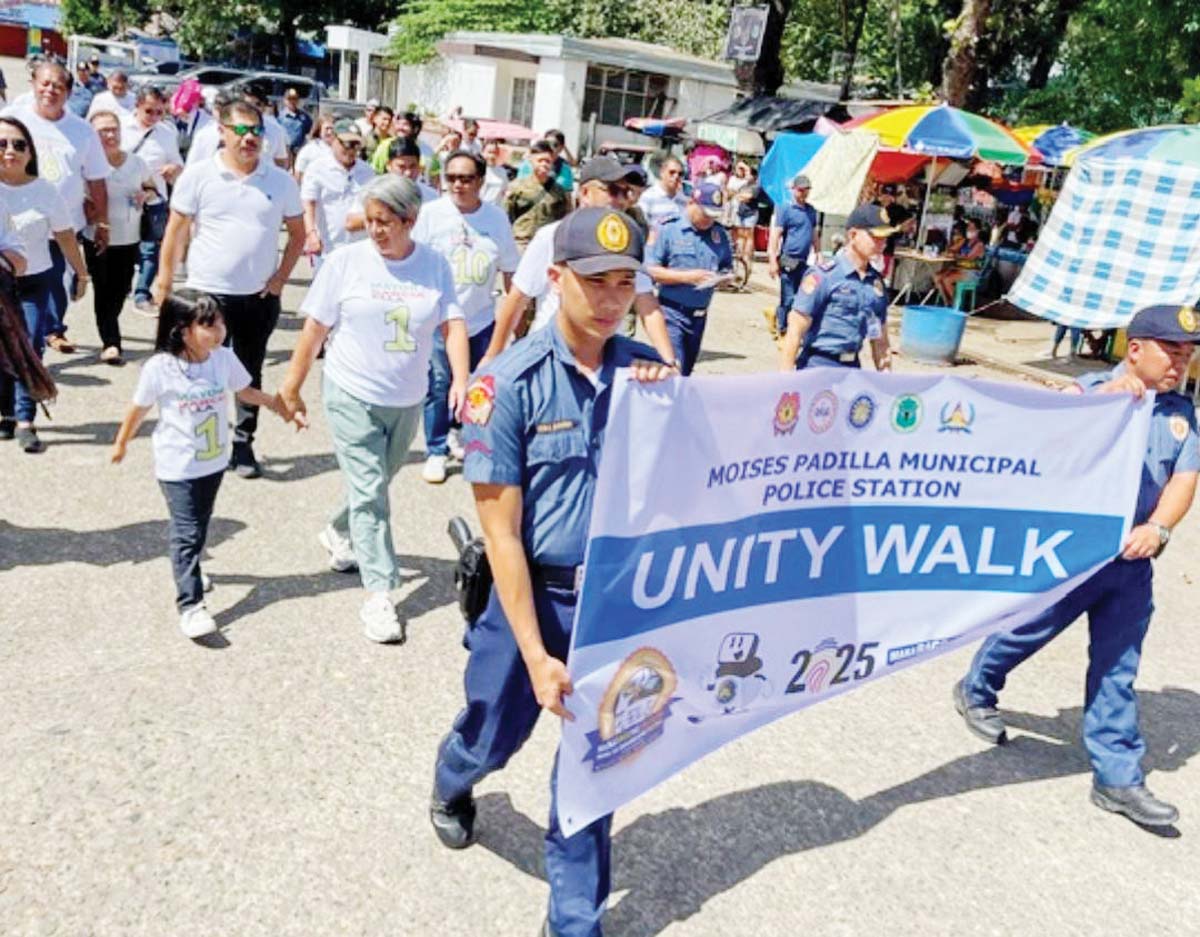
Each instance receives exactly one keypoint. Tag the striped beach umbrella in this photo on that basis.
(1049, 143)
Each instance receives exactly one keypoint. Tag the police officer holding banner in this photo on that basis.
(1118, 599)
(533, 426)
(688, 258)
(842, 302)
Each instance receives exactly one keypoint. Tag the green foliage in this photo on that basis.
(423, 22)
(1189, 103)
(89, 18)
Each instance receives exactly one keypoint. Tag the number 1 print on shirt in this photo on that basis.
(207, 430)
(403, 341)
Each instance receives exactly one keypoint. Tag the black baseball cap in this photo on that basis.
(596, 240)
(1166, 323)
(602, 169)
(872, 218)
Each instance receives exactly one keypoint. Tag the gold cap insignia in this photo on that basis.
(612, 233)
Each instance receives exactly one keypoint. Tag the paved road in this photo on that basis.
(278, 784)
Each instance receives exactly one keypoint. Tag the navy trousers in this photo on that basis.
(789, 282)
(499, 716)
(1118, 601)
(686, 330)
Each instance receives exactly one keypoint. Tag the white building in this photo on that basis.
(543, 81)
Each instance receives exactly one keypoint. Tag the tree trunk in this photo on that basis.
(958, 71)
(766, 75)
(1047, 51)
(852, 49)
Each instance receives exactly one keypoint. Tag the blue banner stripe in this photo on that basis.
(637, 584)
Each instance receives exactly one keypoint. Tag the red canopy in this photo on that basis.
(893, 166)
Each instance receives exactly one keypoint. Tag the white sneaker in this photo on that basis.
(380, 622)
(435, 469)
(455, 444)
(341, 552)
(195, 622)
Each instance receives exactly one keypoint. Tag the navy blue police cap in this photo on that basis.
(596, 240)
(1165, 323)
(871, 218)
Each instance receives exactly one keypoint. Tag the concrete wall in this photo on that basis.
(428, 86)
(558, 102)
(506, 71)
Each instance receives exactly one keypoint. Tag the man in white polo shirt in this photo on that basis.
(330, 191)
(71, 158)
(157, 142)
(118, 98)
(236, 201)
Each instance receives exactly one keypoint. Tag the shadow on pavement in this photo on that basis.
(731, 837)
(133, 543)
(436, 591)
(89, 434)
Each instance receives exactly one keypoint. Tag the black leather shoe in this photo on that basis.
(453, 821)
(983, 721)
(1137, 803)
(8, 428)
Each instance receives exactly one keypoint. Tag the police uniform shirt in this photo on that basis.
(533, 419)
(844, 305)
(798, 223)
(681, 246)
(1173, 445)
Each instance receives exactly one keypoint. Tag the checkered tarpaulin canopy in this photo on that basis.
(1124, 234)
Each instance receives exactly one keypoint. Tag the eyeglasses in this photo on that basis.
(452, 178)
(618, 188)
(19, 146)
(242, 129)
(350, 144)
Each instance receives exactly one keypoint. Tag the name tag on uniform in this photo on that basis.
(558, 426)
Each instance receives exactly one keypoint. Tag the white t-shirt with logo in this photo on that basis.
(124, 214)
(191, 439)
(383, 314)
(107, 101)
(35, 212)
(69, 152)
(161, 148)
(207, 140)
(235, 242)
(477, 245)
(533, 279)
(335, 190)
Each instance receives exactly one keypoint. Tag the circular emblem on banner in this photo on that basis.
(822, 411)
(861, 412)
(1187, 318)
(634, 707)
(906, 413)
(1179, 427)
(612, 233)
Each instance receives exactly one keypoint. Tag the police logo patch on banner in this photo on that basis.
(612, 233)
(822, 411)
(809, 285)
(861, 412)
(634, 708)
(481, 400)
(906, 413)
(1179, 427)
(1187, 318)
(787, 413)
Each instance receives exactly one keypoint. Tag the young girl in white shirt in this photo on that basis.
(190, 379)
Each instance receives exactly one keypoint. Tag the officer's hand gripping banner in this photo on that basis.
(759, 544)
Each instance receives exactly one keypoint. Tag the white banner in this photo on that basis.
(759, 544)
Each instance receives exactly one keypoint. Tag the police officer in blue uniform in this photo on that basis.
(1118, 599)
(686, 258)
(842, 303)
(533, 426)
(793, 233)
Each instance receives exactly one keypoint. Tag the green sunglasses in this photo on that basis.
(242, 129)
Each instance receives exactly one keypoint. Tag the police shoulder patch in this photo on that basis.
(1179, 427)
(481, 400)
(809, 284)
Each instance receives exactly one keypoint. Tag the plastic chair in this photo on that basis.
(963, 289)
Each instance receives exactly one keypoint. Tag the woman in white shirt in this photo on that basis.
(378, 302)
(495, 183)
(320, 143)
(36, 213)
(129, 184)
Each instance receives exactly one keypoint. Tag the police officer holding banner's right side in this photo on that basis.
(533, 426)
(842, 303)
(1118, 599)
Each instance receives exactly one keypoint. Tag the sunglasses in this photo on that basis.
(19, 146)
(452, 178)
(618, 188)
(350, 144)
(242, 129)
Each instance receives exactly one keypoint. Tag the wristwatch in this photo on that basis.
(1164, 537)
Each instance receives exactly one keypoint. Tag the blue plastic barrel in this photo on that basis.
(932, 333)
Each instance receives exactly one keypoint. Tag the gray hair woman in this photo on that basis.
(377, 302)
